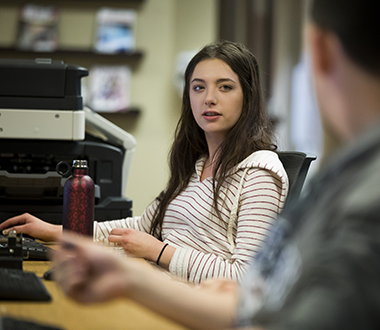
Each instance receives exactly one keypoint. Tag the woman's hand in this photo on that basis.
(136, 243)
(33, 226)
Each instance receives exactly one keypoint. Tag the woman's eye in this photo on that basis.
(226, 87)
(198, 88)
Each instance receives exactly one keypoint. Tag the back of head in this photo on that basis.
(357, 25)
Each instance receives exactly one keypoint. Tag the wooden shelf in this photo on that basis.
(133, 55)
(83, 2)
(128, 111)
(124, 1)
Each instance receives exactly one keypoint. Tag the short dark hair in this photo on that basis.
(357, 25)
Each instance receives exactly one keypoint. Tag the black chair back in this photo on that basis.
(296, 165)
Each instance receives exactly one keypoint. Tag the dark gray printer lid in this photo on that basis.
(40, 84)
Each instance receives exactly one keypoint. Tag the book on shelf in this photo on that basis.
(109, 88)
(38, 28)
(115, 30)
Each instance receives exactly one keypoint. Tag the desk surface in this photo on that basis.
(64, 312)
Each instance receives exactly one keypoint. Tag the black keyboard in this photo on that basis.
(11, 323)
(32, 250)
(15, 284)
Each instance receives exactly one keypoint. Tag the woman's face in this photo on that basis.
(216, 98)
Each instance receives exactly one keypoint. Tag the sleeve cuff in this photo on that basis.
(179, 263)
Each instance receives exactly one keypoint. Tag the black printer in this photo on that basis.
(43, 122)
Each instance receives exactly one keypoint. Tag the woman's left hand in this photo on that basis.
(136, 243)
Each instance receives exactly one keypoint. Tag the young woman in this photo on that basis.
(226, 184)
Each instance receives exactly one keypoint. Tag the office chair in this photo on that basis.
(296, 165)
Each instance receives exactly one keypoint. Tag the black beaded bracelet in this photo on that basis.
(158, 259)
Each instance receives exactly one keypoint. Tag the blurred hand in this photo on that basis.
(91, 273)
(33, 226)
(88, 272)
(136, 243)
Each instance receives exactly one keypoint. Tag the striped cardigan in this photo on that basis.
(206, 246)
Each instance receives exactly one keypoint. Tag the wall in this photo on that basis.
(164, 27)
(286, 50)
(293, 102)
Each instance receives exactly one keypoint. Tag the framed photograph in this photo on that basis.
(38, 28)
(115, 30)
(109, 88)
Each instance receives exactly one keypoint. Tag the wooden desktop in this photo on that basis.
(67, 314)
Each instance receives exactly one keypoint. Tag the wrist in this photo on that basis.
(135, 275)
(154, 250)
(160, 254)
(166, 256)
(55, 232)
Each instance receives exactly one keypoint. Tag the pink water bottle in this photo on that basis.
(79, 200)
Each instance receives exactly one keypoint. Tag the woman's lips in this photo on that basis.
(210, 114)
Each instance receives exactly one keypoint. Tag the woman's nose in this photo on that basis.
(210, 97)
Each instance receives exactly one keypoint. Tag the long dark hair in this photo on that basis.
(252, 132)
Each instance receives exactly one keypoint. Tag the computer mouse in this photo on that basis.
(48, 275)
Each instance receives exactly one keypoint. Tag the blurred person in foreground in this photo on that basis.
(320, 268)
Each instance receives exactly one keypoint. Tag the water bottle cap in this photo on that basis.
(80, 163)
